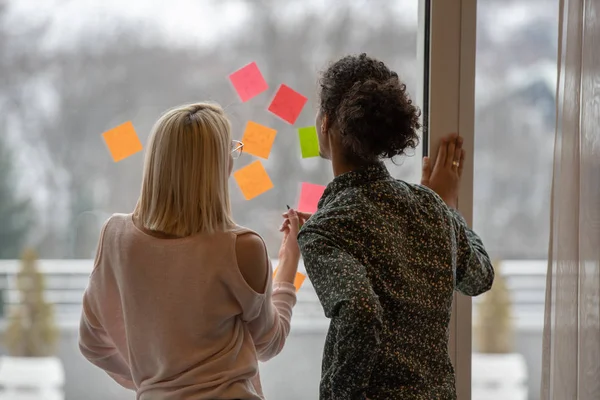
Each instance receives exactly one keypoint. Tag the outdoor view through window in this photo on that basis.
(514, 142)
(72, 70)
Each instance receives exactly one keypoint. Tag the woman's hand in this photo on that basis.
(444, 177)
(302, 217)
(289, 250)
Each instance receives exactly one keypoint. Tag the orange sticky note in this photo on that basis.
(298, 279)
(122, 141)
(253, 180)
(258, 139)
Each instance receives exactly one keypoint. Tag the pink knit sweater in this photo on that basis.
(175, 319)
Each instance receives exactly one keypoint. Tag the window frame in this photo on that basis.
(447, 50)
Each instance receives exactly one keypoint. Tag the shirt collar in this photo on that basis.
(358, 177)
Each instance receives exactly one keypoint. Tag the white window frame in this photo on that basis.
(450, 44)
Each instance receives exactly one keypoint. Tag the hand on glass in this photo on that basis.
(444, 177)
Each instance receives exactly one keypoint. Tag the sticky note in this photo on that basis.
(298, 279)
(248, 82)
(309, 142)
(253, 180)
(287, 104)
(122, 141)
(310, 194)
(258, 139)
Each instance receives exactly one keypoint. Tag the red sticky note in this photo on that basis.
(248, 82)
(310, 194)
(287, 104)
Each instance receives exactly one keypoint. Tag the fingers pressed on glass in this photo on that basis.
(461, 162)
(441, 158)
(450, 157)
(426, 173)
(458, 149)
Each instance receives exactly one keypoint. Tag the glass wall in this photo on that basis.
(74, 70)
(514, 141)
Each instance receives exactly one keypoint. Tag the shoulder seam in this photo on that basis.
(100, 249)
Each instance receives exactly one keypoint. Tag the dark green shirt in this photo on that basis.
(385, 258)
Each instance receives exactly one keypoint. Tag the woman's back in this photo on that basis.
(181, 303)
(385, 258)
(183, 311)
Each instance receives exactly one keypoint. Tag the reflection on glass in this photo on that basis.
(514, 133)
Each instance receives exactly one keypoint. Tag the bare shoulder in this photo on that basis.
(251, 254)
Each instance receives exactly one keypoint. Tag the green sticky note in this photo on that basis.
(309, 142)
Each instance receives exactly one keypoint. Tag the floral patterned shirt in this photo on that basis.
(385, 258)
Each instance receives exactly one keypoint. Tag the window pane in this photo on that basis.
(73, 70)
(514, 142)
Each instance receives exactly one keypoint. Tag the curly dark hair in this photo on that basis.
(370, 107)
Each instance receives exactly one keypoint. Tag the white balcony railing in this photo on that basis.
(67, 279)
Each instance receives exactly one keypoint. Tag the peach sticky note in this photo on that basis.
(253, 180)
(287, 104)
(248, 82)
(298, 280)
(122, 141)
(310, 194)
(258, 139)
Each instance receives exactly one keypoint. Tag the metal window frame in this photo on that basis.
(447, 50)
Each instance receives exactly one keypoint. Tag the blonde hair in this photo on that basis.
(186, 171)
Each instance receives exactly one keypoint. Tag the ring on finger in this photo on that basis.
(455, 164)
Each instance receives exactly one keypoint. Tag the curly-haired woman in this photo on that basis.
(385, 256)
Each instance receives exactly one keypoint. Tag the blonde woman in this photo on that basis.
(181, 303)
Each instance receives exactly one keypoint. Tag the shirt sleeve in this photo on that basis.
(348, 299)
(95, 343)
(271, 327)
(97, 347)
(474, 270)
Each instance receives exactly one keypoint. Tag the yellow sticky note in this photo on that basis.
(258, 139)
(122, 141)
(298, 280)
(253, 180)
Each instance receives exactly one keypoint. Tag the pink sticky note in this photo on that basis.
(287, 104)
(310, 194)
(248, 82)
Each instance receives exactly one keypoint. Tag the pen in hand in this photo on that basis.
(300, 225)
